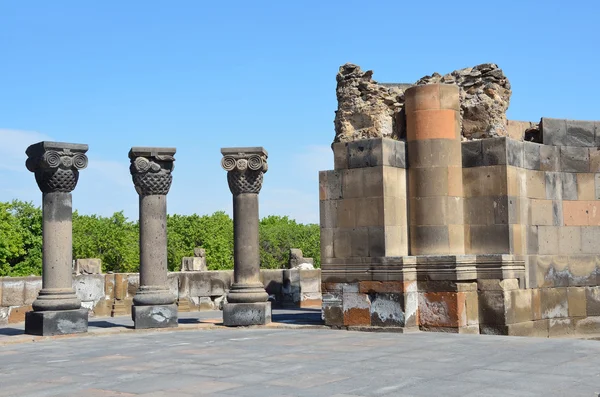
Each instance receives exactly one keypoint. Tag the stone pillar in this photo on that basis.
(153, 304)
(247, 298)
(57, 310)
(435, 188)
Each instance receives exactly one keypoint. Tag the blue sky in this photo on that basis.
(202, 75)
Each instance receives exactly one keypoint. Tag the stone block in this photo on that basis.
(582, 270)
(494, 151)
(569, 240)
(576, 301)
(557, 213)
(536, 304)
(497, 285)
(554, 131)
(372, 287)
(580, 133)
(370, 211)
(552, 270)
(532, 240)
(439, 309)
(575, 213)
(434, 153)
(88, 266)
(376, 242)
(102, 308)
(574, 159)
(514, 153)
(56, 322)
(594, 154)
(89, 288)
(333, 314)
(549, 158)
(341, 243)
(569, 185)
(587, 325)
(592, 301)
(109, 286)
(155, 316)
(494, 181)
(585, 187)
(429, 240)
(472, 153)
(16, 314)
(531, 156)
(542, 213)
(548, 240)
(4, 315)
(347, 213)
(330, 185)
(365, 153)
(359, 242)
(553, 186)
(205, 303)
(33, 285)
(393, 153)
(272, 279)
(428, 182)
(327, 243)
(560, 327)
(194, 264)
(352, 183)
(356, 307)
(597, 185)
(479, 210)
(489, 239)
(386, 310)
(536, 184)
(13, 291)
(554, 303)
(310, 281)
(133, 283)
(340, 155)
(590, 236)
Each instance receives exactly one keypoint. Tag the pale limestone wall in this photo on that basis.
(112, 294)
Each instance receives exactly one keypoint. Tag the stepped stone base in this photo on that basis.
(243, 314)
(56, 322)
(157, 316)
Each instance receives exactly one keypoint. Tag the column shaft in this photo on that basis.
(246, 239)
(153, 240)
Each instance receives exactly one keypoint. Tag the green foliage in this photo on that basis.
(115, 239)
(20, 239)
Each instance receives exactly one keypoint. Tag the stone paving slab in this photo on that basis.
(261, 361)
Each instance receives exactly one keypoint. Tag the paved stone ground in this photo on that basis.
(296, 361)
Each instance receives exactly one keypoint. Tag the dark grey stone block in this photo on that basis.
(553, 186)
(554, 131)
(580, 133)
(61, 322)
(155, 316)
(494, 151)
(365, 153)
(514, 153)
(386, 310)
(597, 133)
(472, 154)
(531, 155)
(549, 158)
(569, 185)
(244, 314)
(574, 159)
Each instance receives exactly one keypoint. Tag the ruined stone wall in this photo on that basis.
(112, 294)
(520, 256)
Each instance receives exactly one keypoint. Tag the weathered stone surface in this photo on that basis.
(298, 261)
(244, 314)
(193, 264)
(366, 109)
(56, 322)
(155, 316)
(88, 266)
(484, 98)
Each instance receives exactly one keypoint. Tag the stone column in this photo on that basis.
(435, 188)
(57, 310)
(247, 298)
(153, 304)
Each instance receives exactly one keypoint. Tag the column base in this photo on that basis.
(56, 322)
(155, 316)
(242, 314)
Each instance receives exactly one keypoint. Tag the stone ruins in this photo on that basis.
(442, 215)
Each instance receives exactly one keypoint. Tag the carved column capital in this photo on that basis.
(56, 165)
(151, 169)
(245, 168)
